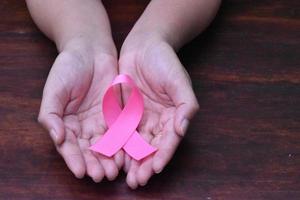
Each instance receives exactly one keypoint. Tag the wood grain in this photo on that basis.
(244, 144)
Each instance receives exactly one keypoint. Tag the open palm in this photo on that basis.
(71, 112)
(169, 105)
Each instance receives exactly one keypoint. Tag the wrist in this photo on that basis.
(87, 53)
(87, 46)
(139, 41)
(145, 33)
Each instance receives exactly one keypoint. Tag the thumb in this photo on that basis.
(54, 124)
(184, 113)
(54, 101)
(181, 92)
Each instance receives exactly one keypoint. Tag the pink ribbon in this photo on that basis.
(122, 124)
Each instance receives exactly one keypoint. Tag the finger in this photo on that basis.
(127, 163)
(184, 113)
(167, 145)
(72, 155)
(54, 124)
(145, 171)
(110, 167)
(183, 116)
(181, 92)
(131, 175)
(55, 98)
(93, 166)
(186, 107)
(119, 159)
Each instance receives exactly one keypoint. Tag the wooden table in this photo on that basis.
(244, 144)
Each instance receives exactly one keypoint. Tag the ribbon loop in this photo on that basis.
(122, 124)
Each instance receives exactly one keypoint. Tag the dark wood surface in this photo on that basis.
(244, 144)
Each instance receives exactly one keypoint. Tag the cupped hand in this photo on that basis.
(71, 110)
(169, 103)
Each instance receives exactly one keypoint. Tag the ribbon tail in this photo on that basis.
(100, 147)
(137, 147)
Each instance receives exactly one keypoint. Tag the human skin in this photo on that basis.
(87, 63)
(72, 96)
(149, 56)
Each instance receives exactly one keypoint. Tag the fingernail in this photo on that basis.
(158, 171)
(53, 135)
(143, 184)
(184, 126)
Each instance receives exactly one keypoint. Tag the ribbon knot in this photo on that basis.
(122, 124)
